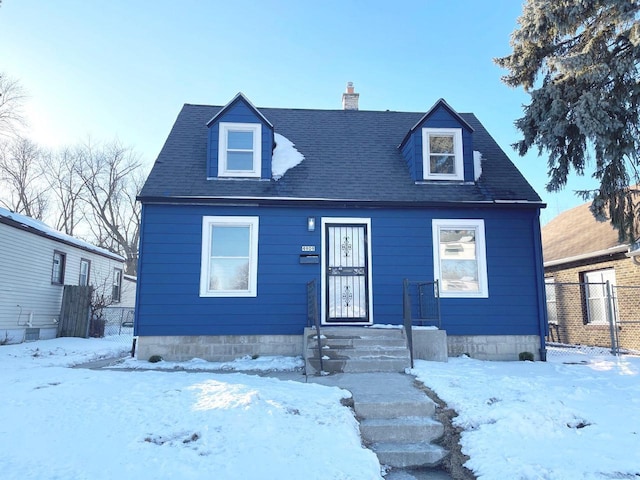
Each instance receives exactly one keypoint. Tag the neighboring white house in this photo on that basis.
(37, 261)
(128, 297)
(119, 316)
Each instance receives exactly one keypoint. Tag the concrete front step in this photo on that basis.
(400, 430)
(343, 342)
(369, 352)
(402, 455)
(386, 404)
(358, 365)
(375, 406)
(347, 331)
(357, 349)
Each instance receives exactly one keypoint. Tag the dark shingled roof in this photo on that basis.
(576, 232)
(349, 156)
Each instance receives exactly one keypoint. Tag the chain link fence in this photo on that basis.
(118, 324)
(590, 315)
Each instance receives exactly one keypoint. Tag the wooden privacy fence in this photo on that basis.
(75, 311)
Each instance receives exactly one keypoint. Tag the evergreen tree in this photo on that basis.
(578, 60)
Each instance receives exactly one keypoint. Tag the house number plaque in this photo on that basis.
(308, 248)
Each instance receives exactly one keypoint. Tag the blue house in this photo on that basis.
(245, 206)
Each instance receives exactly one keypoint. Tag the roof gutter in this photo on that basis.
(295, 201)
(586, 256)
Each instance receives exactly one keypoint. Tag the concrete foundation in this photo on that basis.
(11, 336)
(430, 345)
(493, 347)
(218, 348)
(433, 345)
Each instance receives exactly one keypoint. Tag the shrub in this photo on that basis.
(96, 328)
(526, 356)
(155, 358)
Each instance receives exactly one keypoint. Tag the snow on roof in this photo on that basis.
(41, 228)
(477, 164)
(285, 156)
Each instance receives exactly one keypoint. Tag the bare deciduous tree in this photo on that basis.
(22, 175)
(92, 187)
(66, 187)
(111, 179)
(12, 97)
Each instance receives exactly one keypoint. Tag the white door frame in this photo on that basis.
(323, 274)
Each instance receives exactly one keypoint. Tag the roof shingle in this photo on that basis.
(576, 232)
(349, 155)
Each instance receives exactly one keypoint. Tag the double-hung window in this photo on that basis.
(442, 154)
(459, 253)
(600, 300)
(57, 271)
(116, 289)
(85, 267)
(239, 149)
(552, 305)
(229, 263)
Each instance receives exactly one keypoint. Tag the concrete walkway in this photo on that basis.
(383, 388)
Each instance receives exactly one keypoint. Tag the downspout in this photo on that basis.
(136, 311)
(543, 323)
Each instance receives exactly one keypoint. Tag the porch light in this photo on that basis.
(311, 224)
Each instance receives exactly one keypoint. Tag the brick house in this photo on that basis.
(582, 256)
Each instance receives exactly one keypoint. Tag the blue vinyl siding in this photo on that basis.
(439, 118)
(401, 241)
(239, 112)
(414, 160)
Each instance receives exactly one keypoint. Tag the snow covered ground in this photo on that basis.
(65, 423)
(552, 421)
(522, 420)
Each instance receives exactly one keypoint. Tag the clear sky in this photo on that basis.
(124, 68)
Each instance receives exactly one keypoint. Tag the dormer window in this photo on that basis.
(442, 154)
(239, 149)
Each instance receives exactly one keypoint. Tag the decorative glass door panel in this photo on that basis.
(347, 288)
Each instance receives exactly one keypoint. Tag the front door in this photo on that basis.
(346, 295)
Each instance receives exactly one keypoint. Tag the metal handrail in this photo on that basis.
(312, 315)
(422, 288)
(406, 314)
(424, 315)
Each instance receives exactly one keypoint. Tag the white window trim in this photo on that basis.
(590, 277)
(225, 127)
(457, 150)
(481, 255)
(87, 262)
(59, 279)
(551, 300)
(117, 285)
(207, 223)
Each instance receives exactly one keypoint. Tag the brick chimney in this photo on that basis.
(350, 99)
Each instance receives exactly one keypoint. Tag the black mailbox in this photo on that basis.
(309, 258)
